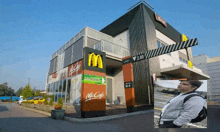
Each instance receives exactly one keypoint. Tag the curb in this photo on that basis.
(105, 118)
(96, 119)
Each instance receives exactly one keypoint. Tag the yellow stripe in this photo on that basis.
(157, 108)
(169, 95)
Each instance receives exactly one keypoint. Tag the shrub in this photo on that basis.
(10, 99)
(45, 96)
(51, 102)
(51, 96)
(46, 102)
(60, 101)
(57, 106)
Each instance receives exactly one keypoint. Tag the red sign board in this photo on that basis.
(160, 19)
(54, 75)
(75, 68)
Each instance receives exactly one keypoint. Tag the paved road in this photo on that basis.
(13, 118)
(16, 119)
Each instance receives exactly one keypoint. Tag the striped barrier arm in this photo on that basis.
(161, 51)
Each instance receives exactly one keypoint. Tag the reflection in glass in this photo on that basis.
(60, 89)
(68, 91)
(63, 91)
(48, 89)
(56, 88)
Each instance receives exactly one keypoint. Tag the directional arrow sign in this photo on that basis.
(134, 58)
(164, 50)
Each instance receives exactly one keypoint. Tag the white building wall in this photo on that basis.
(122, 39)
(119, 90)
(167, 60)
(213, 70)
(92, 33)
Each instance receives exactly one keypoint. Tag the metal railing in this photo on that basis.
(111, 48)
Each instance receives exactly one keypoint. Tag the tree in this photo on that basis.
(5, 90)
(45, 96)
(27, 92)
(19, 92)
(37, 93)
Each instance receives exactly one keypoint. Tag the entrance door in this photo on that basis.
(109, 90)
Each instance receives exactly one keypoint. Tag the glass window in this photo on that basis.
(63, 91)
(68, 91)
(181, 59)
(52, 87)
(56, 86)
(158, 44)
(64, 85)
(48, 89)
(60, 86)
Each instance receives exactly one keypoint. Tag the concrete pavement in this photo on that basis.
(104, 118)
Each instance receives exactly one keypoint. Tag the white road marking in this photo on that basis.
(189, 124)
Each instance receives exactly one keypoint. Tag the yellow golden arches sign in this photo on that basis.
(184, 37)
(96, 60)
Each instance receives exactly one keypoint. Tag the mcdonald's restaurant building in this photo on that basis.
(89, 66)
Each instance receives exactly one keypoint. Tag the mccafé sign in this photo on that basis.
(95, 60)
(75, 68)
(160, 19)
(91, 96)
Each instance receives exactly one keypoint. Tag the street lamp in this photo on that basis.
(29, 81)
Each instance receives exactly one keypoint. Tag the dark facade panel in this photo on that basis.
(77, 55)
(67, 57)
(68, 51)
(53, 66)
(138, 43)
(169, 31)
(154, 64)
(121, 24)
(67, 60)
(74, 52)
(78, 45)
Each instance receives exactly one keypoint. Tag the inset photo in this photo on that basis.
(180, 104)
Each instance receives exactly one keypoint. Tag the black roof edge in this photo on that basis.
(122, 23)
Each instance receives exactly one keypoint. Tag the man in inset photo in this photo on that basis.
(187, 107)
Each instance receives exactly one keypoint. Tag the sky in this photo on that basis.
(32, 30)
(174, 84)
